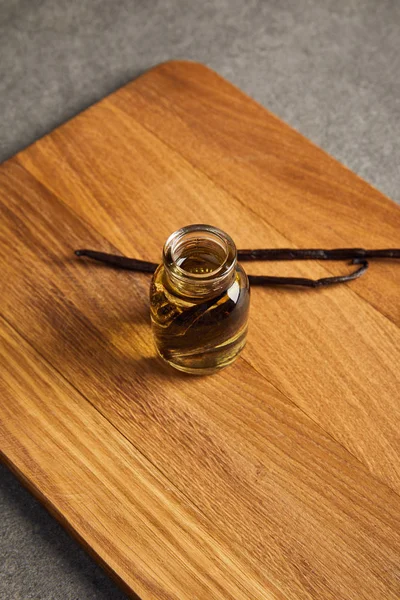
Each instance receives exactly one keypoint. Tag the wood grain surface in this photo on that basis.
(278, 478)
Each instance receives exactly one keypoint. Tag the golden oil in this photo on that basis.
(199, 301)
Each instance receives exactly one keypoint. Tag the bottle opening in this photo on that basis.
(200, 258)
(200, 255)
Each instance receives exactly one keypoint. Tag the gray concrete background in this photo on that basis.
(330, 68)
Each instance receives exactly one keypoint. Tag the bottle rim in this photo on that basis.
(194, 236)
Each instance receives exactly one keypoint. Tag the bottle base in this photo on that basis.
(196, 370)
(207, 362)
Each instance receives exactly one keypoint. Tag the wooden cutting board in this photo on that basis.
(278, 478)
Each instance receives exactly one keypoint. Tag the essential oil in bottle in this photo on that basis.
(199, 301)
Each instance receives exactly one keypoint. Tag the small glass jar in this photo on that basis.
(199, 299)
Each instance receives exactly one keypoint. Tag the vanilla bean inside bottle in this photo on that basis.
(199, 301)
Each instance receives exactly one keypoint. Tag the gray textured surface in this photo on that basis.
(331, 68)
(38, 559)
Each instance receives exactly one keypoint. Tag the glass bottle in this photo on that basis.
(199, 299)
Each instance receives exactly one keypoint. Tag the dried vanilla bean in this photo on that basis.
(317, 254)
(357, 254)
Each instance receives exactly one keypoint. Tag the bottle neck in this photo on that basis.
(200, 261)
